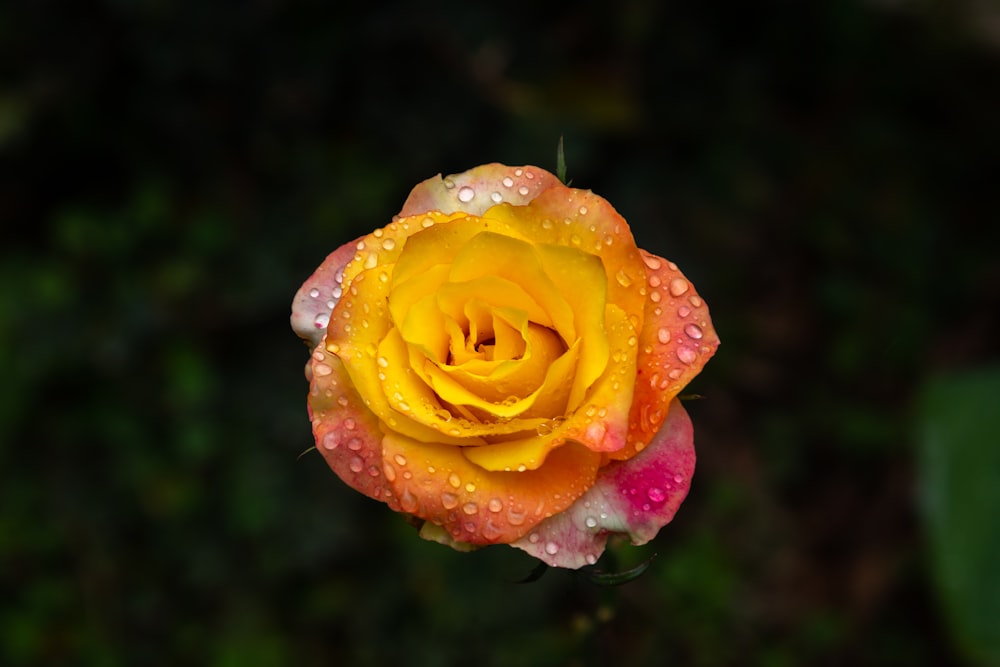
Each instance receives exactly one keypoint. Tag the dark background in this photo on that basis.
(825, 172)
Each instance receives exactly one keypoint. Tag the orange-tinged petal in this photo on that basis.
(437, 483)
(580, 219)
(347, 433)
(478, 189)
(357, 328)
(675, 344)
(636, 497)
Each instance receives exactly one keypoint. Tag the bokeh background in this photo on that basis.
(825, 172)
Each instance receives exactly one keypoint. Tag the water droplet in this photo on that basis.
(400, 459)
(694, 331)
(495, 505)
(508, 182)
(465, 194)
(371, 261)
(497, 197)
(322, 370)
(529, 175)
(533, 538)
(331, 440)
(523, 190)
(515, 517)
(373, 472)
(354, 444)
(322, 320)
(403, 406)
(654, 296)
(623, 278)
(443, 415)
(575, 239)
(349, 424)
(656, 494)
(683, 311)
(596, 431)
(686, 355)
(314, 293)
(390, 472)
(552, 548)
(663, 335)
(449, 500)
(454, 480)
(654, 281)
(591, 522)
(408, 501)
(470, 487)
(632, 340)
(388, 244)
(518, 172)
(448, 183)
(470, 508)
(544, 428)
(591, 559)
(383, 362)
(356, 464)
(652, 262)
(678, 286)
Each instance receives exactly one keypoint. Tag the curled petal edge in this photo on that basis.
(636, 498)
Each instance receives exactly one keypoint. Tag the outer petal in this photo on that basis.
(318, 295)
(347, 433)
(635, 497)
(478, 189)
(677, 340)
(437, 483)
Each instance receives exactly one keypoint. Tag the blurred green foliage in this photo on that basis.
(823, 171)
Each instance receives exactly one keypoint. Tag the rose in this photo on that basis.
(501, 362)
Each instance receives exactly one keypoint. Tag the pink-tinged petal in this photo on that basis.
(677, 340)
(318, 295)
(347, 433)
(635, 497)
(478, 189)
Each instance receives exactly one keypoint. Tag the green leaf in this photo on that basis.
(959, 476)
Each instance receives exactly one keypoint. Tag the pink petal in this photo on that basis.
(479, 189)
(636, 497)
(318, 295)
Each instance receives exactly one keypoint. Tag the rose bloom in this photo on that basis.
(501, 363)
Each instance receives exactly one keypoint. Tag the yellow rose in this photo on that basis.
(502, 362)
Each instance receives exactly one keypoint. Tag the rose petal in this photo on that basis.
(635, 497)
(676, 342)
(319, 294)
(347, 434)
(437, 483)
(478, 189)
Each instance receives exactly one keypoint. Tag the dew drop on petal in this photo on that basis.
(331, 440)
(591, 522)
(508, 182)
(623, 278)
(678, 286)
(652, 262)
(356, 464)
(497, 197)
(470, 508)
(388, 244)
(449, 500)
(656, 494)
(523, 190)
(400, 459)
(693, 331)
(322, 370)
(354, 444)
(322, 320)
(495, 505)
(551, 548)
(663, 335)
(454, 480)
(686, 355)
(314, 293)
(465, 194)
